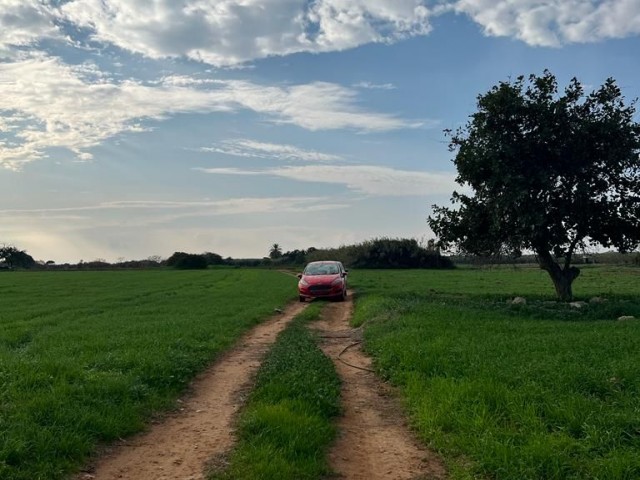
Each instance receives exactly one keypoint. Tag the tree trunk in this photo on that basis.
(562, 278)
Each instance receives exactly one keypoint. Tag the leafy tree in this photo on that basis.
(275, 252)
(548, 172)
(187, 261)
(213, 258)
(15, 258)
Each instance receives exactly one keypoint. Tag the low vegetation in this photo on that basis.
(540, 391)
(384, 253)
(88, 357)
(286, 427)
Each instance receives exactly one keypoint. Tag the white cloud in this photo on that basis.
(316, 106)
(77, 108)
(227, 32)
(230, 32)
(25, 22)
(252, 149)
(371, 180)
(555, 22)
(374, 86)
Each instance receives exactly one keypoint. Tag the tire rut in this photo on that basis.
(374, 441)
(181, 444)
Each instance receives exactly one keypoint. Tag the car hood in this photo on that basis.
(319, 279)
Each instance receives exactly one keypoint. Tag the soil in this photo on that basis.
(179, 446)
(374, 441)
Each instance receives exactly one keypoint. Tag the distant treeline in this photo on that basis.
(376, 253)
(607, 258)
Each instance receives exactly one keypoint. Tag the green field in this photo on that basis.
(88, 357)
(536, 391)
(539, 391)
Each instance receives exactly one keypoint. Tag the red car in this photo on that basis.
(326, 279)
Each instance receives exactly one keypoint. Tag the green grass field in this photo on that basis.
(286, 427)
(88, 357)
(539, 391)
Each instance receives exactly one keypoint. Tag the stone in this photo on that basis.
(626, 317)
(597, 300)
(578, 305)
(519, 301)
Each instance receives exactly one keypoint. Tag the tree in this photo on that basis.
(213, 258)
(550, 173)
(275, 252)
(187, 261)
(14, 257)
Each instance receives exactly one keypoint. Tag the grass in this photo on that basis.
(286, 427)
(88, 357)
(540, 391)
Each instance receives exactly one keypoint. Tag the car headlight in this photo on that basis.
(337, 281)
(303, 282)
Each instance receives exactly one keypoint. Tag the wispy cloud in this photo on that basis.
(231, 206)
(59, 106)
(252, 149)
(374, 86)
(367, 179)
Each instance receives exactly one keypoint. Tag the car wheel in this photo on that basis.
(302, 299)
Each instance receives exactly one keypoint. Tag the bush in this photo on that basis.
(187, 261)
(384, 253)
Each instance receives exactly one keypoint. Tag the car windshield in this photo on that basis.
(322, 269)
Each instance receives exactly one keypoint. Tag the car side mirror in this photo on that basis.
(299, 275)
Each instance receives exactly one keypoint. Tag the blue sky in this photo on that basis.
(131, 129)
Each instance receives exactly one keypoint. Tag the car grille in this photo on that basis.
(319, 288)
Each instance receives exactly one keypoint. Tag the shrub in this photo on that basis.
(187, 261)
(384, 253)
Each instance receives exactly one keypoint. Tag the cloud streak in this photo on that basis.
(366, 179)
(252, 149)
(231, 206)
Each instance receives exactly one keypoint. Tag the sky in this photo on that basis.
(137, 129)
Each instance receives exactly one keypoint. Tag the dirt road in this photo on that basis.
(179, 447)
(374, 442)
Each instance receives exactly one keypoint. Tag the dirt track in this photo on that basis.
(374, 442)
(179, 447)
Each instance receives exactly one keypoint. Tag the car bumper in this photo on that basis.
(320, 291)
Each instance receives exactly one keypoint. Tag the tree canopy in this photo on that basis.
(275, 251)
(546, 171)
(13, 257)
